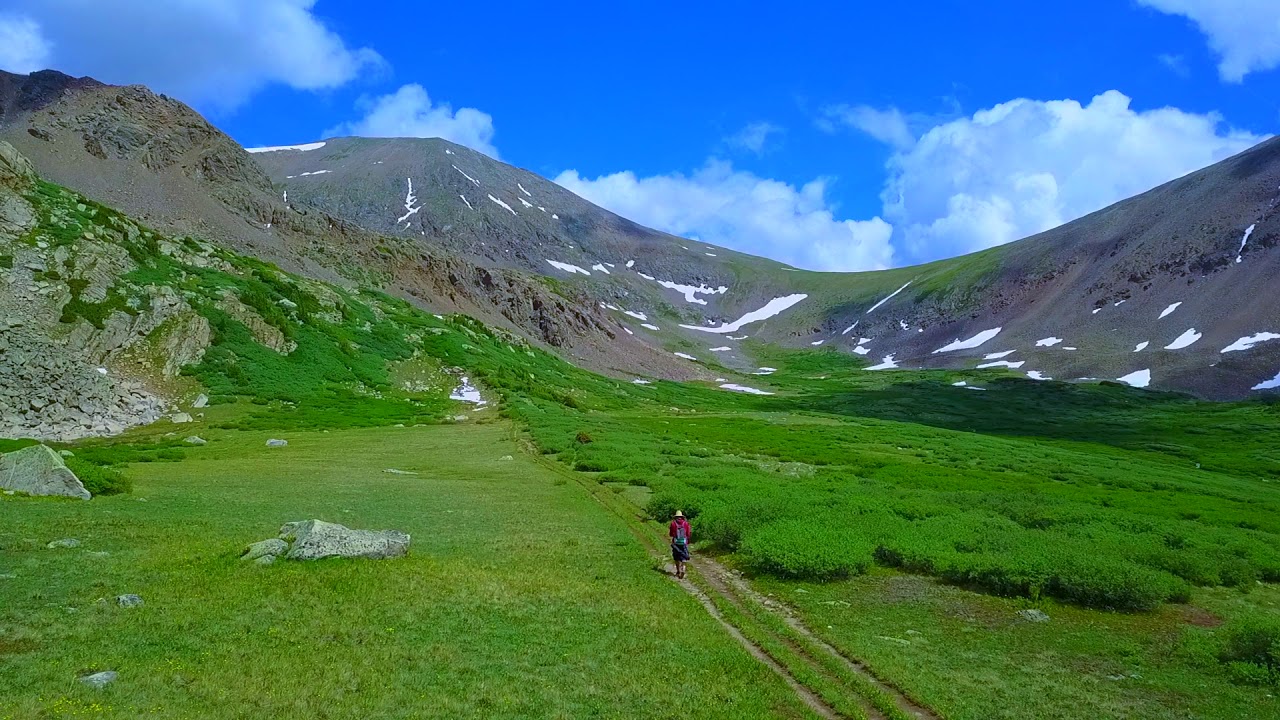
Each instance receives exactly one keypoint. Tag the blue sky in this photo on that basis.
(828, 135)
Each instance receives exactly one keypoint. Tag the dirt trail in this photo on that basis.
(720, 583)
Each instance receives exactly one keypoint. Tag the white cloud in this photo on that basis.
(409, 112)
(1026, 166)
(739, 210)
(889, 126)
(23, 48)
(1244, 33)
(207, 52)
(754, 137)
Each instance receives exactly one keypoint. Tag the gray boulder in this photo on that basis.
(277, 443)
(128, 601)
(316, 539)
(181, 418)
(272, 549)
(1033, 615)
(99, 680)
(38, 470)
(64, 543)
(196, 440)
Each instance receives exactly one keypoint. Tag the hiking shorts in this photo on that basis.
(680, 553)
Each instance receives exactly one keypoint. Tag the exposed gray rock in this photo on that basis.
(1033, 615)
(271, 548)
(128, 601)
(202, 400)
(181, 418)
(277, 443)
(393, 471)
(100, 680)
(64, 543)
(196, 440)
(38, 470)
(316, 539)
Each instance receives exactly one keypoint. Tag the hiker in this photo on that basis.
(679, 533)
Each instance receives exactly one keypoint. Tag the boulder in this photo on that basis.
(99, 680)
(1033, 615)
(271, 548)
(316, 539)
(38, 470)
(181, 418)
(128, 601)
(64, 543)
(202, 400)
(196, 440)
(277, 443)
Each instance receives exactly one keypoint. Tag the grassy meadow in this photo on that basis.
(519, 598)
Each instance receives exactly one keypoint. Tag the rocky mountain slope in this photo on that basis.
(1172, 289)
(158, 161)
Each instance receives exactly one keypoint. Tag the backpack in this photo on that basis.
(682, 537)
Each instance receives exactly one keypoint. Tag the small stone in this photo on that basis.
(181, 418)
(1033, 615)
(393, 471)
(196, 440)
(277, 443)
(100, 680)
(128, 601)
(202, 400)
(64, 543)
(506, 458)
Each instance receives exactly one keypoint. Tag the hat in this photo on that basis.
(679, 513)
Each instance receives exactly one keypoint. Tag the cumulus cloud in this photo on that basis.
(1026, 166)
(739, 210)
(23, 48)
(888, 125)
(754, 137)
(409, 112)
(208, 52)
(1244, 33)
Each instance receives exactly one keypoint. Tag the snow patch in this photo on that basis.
(276, 148)
(647, 326)
(816, 343)
(1138, 379)
(971, 343)
(722, 348)
(630, 263)
(466, 392)
(306, 174)
(410, 200)
(636, 315)
(744, 389)
(1169, 311)
(504, 205)
(772, 308)
(646, 277)
(1245, 343)
(1048, 342)
(997, 356)
(887, 364)
(1037, 375)
(765, 371)
(1184, 340)
(1141, 346)
(526, 192)
(526, 203)
(686, 356)
(862, 350)
(624, 327)
(638, 381)
(465, 200)
(887, 299)
(1271, 384)
(601, 268)
(691, 293)
(1003, 363)
(567, 267)
(473, 180)
(849, 329)
(1248, 231)
(740, 337)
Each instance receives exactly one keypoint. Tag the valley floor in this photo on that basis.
(520, 597)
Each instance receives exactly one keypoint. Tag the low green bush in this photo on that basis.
(1251, 649)
(805, 551)
(99, 479)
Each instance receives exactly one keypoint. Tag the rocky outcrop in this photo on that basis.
(316, 539)
(38, 470)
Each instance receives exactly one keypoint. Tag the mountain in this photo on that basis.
(160, 162)
(1151, 290)
(1090, 299)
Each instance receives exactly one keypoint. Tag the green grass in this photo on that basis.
(520, 597)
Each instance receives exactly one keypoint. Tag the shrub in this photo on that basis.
(584, 439)
(805, 551)
(1251, 649)
(99, 479)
